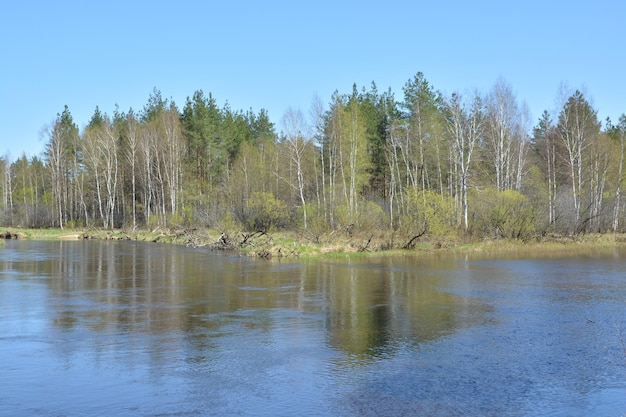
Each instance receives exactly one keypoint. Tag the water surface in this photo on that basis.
(136, 329)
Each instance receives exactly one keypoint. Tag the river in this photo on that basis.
(100, 328)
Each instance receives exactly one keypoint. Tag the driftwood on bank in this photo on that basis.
(411, 243)
(365, 247)
(12, 235)
(224, 242)
(248, 238)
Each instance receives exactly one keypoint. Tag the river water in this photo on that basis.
(91, 328)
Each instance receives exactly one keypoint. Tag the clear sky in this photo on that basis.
(276, 54)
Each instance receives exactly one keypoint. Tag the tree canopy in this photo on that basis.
(430, 165)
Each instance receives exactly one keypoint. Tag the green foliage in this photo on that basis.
(503, 214)
(578, 118)
(537, 193)
(429, 213)
(154, 222)
(372, 158)
(317, 223)
(215, 136)
(342, 217)
(378, 111)
(156, 104)
(201, 121)
(228, 223)
(265, 212)
(371, 217)
(74, 224)
(97, 120)
(175, 219)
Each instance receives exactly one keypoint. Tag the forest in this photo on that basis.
(428, 166)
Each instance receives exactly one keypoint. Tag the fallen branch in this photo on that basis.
(411, 243)
(365, 247)
(247, 237)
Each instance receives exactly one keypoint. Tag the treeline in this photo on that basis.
(427, 165)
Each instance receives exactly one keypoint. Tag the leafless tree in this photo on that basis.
(294, 125)
(577, 127)
(466, 125)
(55, 156)
(502, 130)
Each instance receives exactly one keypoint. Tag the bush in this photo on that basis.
(503, 214)
(265, 212)
(429, 213)
(317, 224)
(371, 216)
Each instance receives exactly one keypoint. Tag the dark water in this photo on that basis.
(132, 329)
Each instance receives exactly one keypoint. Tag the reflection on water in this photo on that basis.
(126, 328)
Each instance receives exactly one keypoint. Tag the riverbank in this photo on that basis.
(287, 244)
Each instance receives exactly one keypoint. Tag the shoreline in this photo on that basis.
(289, 244)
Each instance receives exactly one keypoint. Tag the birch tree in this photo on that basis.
(7, 187)
(56, 159)
(109, 155)
(172, 149)
(421, 103)
(100, 149)
(333, 153)
(131, 156)
(503, 124)
(355, 138)
(598, 165)
(618, 134)
(465, 126)
(577, 126)
(546, 141)
(293, 122)
(91, 150)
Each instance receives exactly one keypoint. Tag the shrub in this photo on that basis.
(506, 214)
(371, 216)
(429, 213)
(265, 212)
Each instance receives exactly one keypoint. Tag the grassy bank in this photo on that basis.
(286, 244)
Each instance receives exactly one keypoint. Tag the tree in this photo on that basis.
(377, 113)
(332, 151)
(546, 141)
(62, 156)
(347, 148)
(577, 127)
(422, 104)
(618, 134)
(397, 132)
(317, 115)
(505, 135)
(202, 123)
(294, 124)
(100, 150)
(7, 188)
(172, 150)
(130, 144)
(22, 194)
(466, 127)
(162, 149)
(354, 135)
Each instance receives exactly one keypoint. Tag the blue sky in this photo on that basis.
(276, 54)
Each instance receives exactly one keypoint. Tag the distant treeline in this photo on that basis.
(428, 165)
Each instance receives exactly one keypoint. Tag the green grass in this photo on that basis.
(41, 234)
